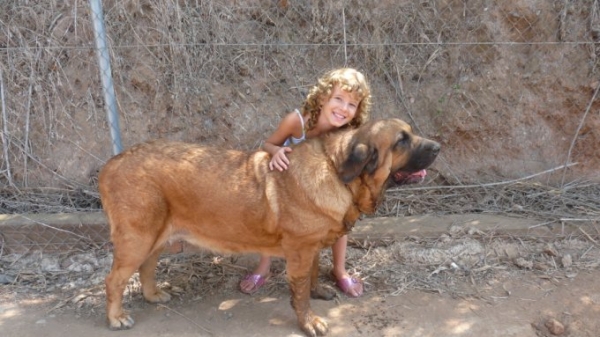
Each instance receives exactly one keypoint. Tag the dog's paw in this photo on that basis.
(323, 292)
(315, 326)
(121, 322)
(158, 296)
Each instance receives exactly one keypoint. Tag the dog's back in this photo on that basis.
(164, 190)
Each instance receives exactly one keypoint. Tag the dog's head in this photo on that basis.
(377, 152)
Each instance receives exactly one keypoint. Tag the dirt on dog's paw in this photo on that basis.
(315, 326)
(122, 322)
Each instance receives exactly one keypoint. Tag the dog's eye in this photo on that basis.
(403, 139)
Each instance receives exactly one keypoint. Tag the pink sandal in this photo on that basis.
(349, 283)
(257, 281)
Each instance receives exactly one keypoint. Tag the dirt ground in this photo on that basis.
(515, 305)
(474, 275)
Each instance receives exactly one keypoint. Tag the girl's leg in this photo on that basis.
(252, 282)
(348, 284)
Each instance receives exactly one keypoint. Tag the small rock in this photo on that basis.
(7, 279)
(571, 275)
(50, 264)
(445, 238)
(474, 231)
(177, 289)
(455, 230)
(522, 263)
(567, 260)
(550, 250)
(555, 327)
(541, 266)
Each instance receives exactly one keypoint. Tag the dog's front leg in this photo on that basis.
(299, 264)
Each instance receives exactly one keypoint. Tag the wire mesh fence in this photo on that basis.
(508, 88)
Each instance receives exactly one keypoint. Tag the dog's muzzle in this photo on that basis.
(414, 171)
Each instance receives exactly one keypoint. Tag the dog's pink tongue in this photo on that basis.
(410, 178)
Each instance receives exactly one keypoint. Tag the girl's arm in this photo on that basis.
(289, 126)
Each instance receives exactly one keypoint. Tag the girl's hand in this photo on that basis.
(280, 160)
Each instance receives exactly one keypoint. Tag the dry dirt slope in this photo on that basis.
(505, 86)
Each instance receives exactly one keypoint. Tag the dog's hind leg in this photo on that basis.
(128, 256)
(116, 281)
(318, 290)
(147, 277)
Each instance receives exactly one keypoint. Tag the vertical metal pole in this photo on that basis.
(110, 100)
(4, 132)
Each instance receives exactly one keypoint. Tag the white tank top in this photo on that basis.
(292, 139)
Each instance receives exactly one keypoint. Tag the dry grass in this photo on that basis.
(224, 73)
(524, 199)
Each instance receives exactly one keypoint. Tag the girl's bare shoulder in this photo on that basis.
(292, 123)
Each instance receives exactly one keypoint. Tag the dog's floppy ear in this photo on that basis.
(361, 157)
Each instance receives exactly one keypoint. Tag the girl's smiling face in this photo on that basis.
(340, 108)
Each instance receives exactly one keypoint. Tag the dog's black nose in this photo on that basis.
(435, 148)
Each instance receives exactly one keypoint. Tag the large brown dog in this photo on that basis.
(229, 201)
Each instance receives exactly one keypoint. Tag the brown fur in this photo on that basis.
(229, 201)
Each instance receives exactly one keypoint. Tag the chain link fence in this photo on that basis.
(508, 88)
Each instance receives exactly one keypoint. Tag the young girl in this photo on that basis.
(341, 98)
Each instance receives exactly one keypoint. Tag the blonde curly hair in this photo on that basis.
(350, 80)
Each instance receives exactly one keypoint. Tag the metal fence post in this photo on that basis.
(110, 101)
